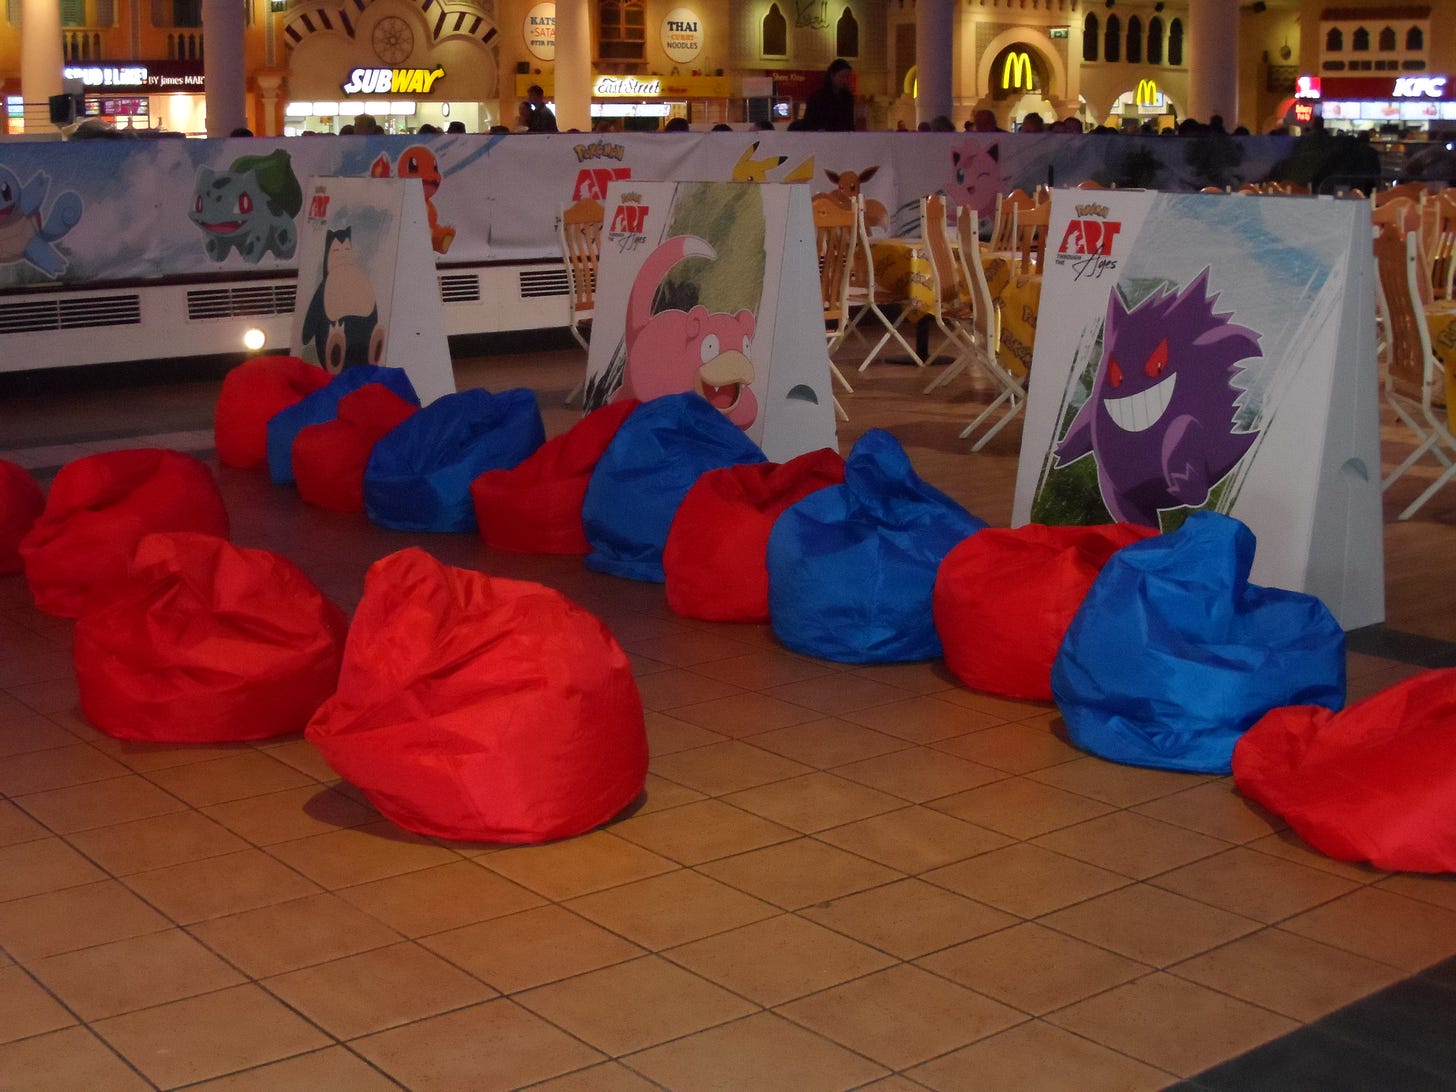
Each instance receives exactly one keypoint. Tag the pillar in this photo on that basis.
(41, 60)
(222, 65)
(934, 48)
(1213, 60)
(269, 84)
(573, 65)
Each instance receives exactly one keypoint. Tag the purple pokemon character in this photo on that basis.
(1160, 418)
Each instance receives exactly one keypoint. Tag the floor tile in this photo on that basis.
(777, 960)
(1174, 1025)
(1287, 973)
(1291, 847)
(726, 767)
(99, 804)
(765, 669)
(210, 1035)
(838, 694)
(1253, 884)
(378, 989)
(1383, 926)
(1037, 1057)
(26, 1009)
(604, 1077)
(433, 900)
(667, 734)
(46, 864)
(1437, 890)
(16, 826)
(247, 773)
(1013, 748)
(633, 1005)
(908, 918)
(1120, 786)
(701, 831)
(1131, 844)
(497, 1044)
(924, 719)
(216, 886)
(303, 756)
(745, 714)
(659, 793)
(1033, 968)
(919, 774)
(523, 950)
(666, 691)
(1026, 880)
(354, 855)
(74, 917)
(674, 908)
(813, 802)
(827, 742)
(562, 870)
(137, 973)
(292, 814)
(931, 1016)
(147, 844)
(29, 732)
(913, 840)
(763, 1052)
(55, 768)
(64, 1061)
(275, 939)
(796, 874)
(334, 1069)
(1020, 808)
(1214, 808)
(1150, 925)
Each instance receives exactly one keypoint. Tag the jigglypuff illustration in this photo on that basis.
(417, 161)
(674, 350)
(977, 178)
(27, 233)
(250, 207)
(342, 319)
(1160, 418)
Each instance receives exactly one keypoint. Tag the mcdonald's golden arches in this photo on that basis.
(1146, 93)
(1017, 73)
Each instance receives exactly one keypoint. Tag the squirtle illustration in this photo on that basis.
(342, 319)
(27, 233)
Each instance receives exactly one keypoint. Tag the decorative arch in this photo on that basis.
(1033, 40)
(440, 21)
(1091, 38)
(1134, 40)
(846, 35)
(775, 32)
(1112, 40)
(1155, 40)
(1175, 42)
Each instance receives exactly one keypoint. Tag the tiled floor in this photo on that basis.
(837, 878)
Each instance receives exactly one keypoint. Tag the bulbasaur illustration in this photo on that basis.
(250, 207)
(28, 230)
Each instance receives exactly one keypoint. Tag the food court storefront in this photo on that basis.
(644, 103)
(166, 95)
(1424, 102)
(398, 67)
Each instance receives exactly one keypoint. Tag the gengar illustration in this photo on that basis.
(250, 207)
(1161, 416)
(28, 231)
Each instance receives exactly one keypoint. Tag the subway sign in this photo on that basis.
(392, 81)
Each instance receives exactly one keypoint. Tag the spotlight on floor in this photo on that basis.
(254, 340)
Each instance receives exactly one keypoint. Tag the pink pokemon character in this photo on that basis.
(674, 351)
(977, 177)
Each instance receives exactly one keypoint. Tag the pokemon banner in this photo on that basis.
(1213, 352)
(87, 212)
(713, 287)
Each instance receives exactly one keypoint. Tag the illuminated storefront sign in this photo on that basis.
(392, 81)
(1418, 87)
(682, 35)
(541, 31)
(1303, 112)
(155, 76)
(1307, 87)
(1016, 72)
(609, 86)
(1147, 94)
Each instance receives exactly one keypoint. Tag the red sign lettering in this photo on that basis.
(1089, 237)
(591, 182)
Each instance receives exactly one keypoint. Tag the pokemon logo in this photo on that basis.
(631, 219)
(599, 149)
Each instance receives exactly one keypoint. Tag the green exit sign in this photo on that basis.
(1060, 32)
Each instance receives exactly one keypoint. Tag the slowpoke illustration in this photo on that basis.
(417, 161)
(26, 233)
(674, 350)
(1160, 418)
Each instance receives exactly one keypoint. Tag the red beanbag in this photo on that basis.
(99, 508)
(714, 560)
(1375, 782)
(208, 642)
(1004, 598)
(482, 709)
(253, 392)
(535, 507)
(21, 502)
(329, 458)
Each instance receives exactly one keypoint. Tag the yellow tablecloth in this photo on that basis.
(1019, 297)
(1441, 321)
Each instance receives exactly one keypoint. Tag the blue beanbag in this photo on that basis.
(418, 477)
(1174, 654)
(851, 567)
(644, 474)
(323, 405)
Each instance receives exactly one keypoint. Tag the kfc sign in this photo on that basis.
(1419, 87)
(1307, 87)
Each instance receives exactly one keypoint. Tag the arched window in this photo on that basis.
(1134, 40)
(1334, 40)
(846, 35)
(1387, 40)
(1175, 42)
(1112, 40)
(775, 33)
(1360, 40)
(1089, 37)
(1155, 40)
(1414, 40)
(73, 13)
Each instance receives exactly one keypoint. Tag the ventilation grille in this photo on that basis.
(261, 299)
(70, 314)
(459, 288)
(542, 282)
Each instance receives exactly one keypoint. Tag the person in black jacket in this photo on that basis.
(831, 108)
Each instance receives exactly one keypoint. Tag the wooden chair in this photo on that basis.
(1411, 191)
(866, 294)
(834, 241)
(1442, 249)
(1030, 228)
(1089, 184)
(1003, 233)
(1415, 379)
(579, 233)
